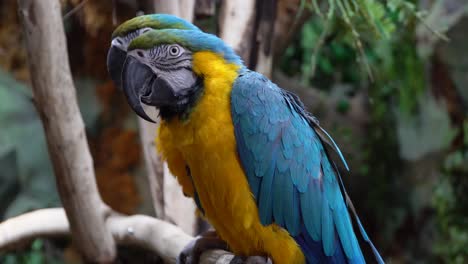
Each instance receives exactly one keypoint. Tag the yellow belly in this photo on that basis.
(206, 143)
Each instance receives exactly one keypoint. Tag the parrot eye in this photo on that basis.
(144, 30)
(174, 51)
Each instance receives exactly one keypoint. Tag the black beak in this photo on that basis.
(141, 84)
(115, 61)
(137, 80)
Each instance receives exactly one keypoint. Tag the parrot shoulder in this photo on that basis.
(291, 176)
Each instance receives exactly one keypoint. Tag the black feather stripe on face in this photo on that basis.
(184, 109)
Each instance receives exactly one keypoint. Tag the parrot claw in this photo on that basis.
(210, 240)
(250, 260)
(192, 252)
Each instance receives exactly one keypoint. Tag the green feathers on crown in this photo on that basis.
(193, 40)
(155, 21)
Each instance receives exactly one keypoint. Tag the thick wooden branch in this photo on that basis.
(205, 8)
(94, 227)
(169, 202)
(263, 44)
(55, 98)
(40, 223)
(259, 30)
(181, 8)
(236, 25)
(290, 18)
(163, 238)
(154, 166)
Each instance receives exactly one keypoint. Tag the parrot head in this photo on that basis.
(158, 70)
(133, 28)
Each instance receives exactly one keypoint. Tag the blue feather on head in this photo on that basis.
(193, 40)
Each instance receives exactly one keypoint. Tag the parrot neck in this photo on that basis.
(214, 73)
(183, 110)
(210, 65)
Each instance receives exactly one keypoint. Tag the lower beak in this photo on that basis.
(137, 80)
(115, 61)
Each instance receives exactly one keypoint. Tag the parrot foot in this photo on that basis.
(250, 260)
(207, 240)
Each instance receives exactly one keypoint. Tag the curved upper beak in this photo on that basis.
(137, 81)
(115, 61)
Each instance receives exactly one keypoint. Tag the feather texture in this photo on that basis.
(206, 143)
(280, 146)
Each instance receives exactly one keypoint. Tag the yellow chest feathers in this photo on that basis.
(212, 111)
(205, 142)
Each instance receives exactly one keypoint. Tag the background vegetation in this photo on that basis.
(388, 79)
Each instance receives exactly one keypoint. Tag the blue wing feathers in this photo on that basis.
(293, 220)
(311, 209)
(279, 191)
(295, 186)
(328, 229)
(343, 226)
(265, 206)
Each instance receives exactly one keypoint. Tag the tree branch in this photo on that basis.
(55, 98)
(40, 223)
(163, 238)
(236, 21)
(154, 166)
(169, 202)
(94, 227)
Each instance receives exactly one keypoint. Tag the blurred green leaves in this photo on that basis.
(425, 132)
(410, 132)
(363, 21)
(22, 143)
(27, 178)
(34, 255)
(451, 204)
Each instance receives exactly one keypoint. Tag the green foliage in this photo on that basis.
(329, 46)
(379, 36)
(33, 255)
(322, 67)
(362, 19)
(359, 22)
(451, 203)
(30, 176)
(359, 15)
(27, 180)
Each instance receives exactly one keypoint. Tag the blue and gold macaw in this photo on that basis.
(133, 28)
(249, 154)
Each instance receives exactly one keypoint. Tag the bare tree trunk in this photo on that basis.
(236, 21)
(169, 202)
(181, 8)
(205, 8)
(165, 6)
(55, 98)
(260, 29)
(186, 9)
(289, 20)
(248, 27)
(92, 224)
(263, 44)
(154, 166)
(178, 208)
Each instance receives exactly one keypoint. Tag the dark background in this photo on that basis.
(392, 93)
